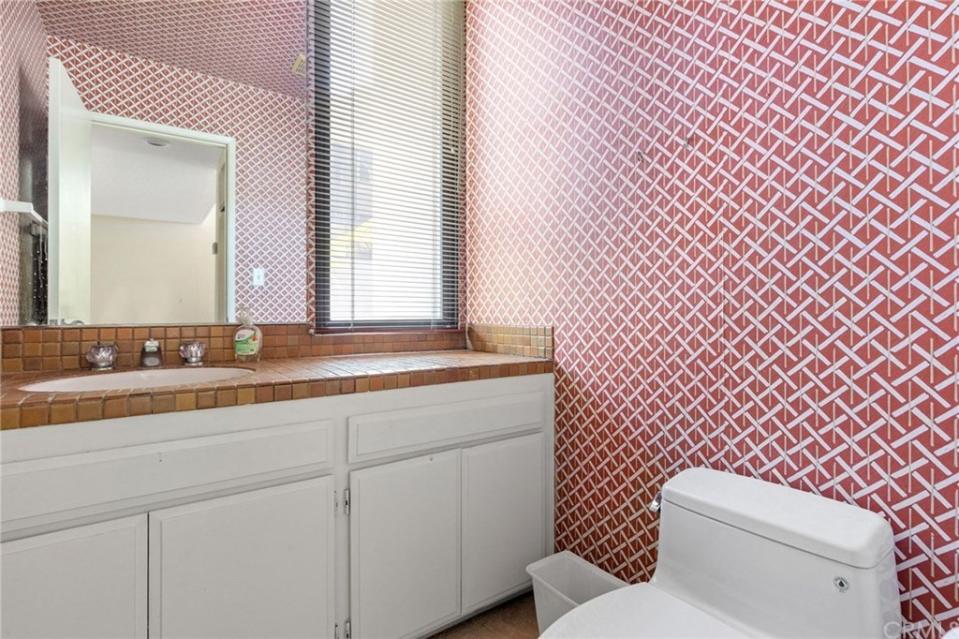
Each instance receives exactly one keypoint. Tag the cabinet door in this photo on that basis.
(89, 581)
(404, 546)
(257, 564)
(504, 517)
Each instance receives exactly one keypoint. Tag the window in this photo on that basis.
(388, 143)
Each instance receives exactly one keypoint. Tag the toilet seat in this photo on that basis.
(642, 611)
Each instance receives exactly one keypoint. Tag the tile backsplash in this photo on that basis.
(35, 348)
(531, 341)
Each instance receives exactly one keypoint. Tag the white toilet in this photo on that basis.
(740, 557)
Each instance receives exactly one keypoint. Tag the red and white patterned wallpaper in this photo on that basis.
(270, 133)
(23, 90)
(252, 42)
(741, 218)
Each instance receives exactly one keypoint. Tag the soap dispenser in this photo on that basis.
(248, 339)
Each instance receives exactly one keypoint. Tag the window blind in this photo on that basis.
(388, 131)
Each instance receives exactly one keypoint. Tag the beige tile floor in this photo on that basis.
(514, 619)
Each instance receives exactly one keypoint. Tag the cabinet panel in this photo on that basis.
(89, 581)
(504, 516)
(257, 564)
(405, 546)
(407, 430)
(42, 486)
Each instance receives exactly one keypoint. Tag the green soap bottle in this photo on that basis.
(248, 339)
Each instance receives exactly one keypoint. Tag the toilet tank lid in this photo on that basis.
(816, 524)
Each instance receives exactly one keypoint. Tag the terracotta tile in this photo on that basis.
(185, 401)
(206, 399)
(140, 404)
(226, 397)
(164, 403)
(301, 390)
(387, 373)
(89, 409)
(246, 395)
(63, 412)
(115, 407)
(34, 415)
(264, 393)
(9, 418)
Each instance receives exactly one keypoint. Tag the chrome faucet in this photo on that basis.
(102, 356)
(192, 353)
(150, 355)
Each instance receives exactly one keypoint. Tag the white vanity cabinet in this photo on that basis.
(442, 535)
(405, 546)
(364, 516)
(256, 564)
(504, 517)
(87, 581)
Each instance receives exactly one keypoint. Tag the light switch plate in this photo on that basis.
(259, 276)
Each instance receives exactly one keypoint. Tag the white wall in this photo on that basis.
(151, 272)
(131, 178)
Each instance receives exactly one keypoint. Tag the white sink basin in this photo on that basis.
(136, 379)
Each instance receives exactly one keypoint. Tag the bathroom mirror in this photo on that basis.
(161, 173)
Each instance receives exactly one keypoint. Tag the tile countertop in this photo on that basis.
(272, 380)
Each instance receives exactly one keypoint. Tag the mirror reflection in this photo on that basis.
(182, 200)
(161, 171)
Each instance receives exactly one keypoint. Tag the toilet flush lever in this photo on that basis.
(657, 502)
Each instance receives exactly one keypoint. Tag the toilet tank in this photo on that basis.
(774, 561)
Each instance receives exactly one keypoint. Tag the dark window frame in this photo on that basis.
(450, 202)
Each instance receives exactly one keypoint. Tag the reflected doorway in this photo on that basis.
(140, 225)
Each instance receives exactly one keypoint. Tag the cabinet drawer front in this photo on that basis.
(53, 485)
(385, 434)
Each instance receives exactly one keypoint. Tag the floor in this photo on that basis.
(514, 619)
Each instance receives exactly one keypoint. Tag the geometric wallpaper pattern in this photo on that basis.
(741, 219)
(23, 78)
(252, 42)
(270, 132)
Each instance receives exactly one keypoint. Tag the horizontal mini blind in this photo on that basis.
(388, 154)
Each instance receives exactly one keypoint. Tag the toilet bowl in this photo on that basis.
(740, 557)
